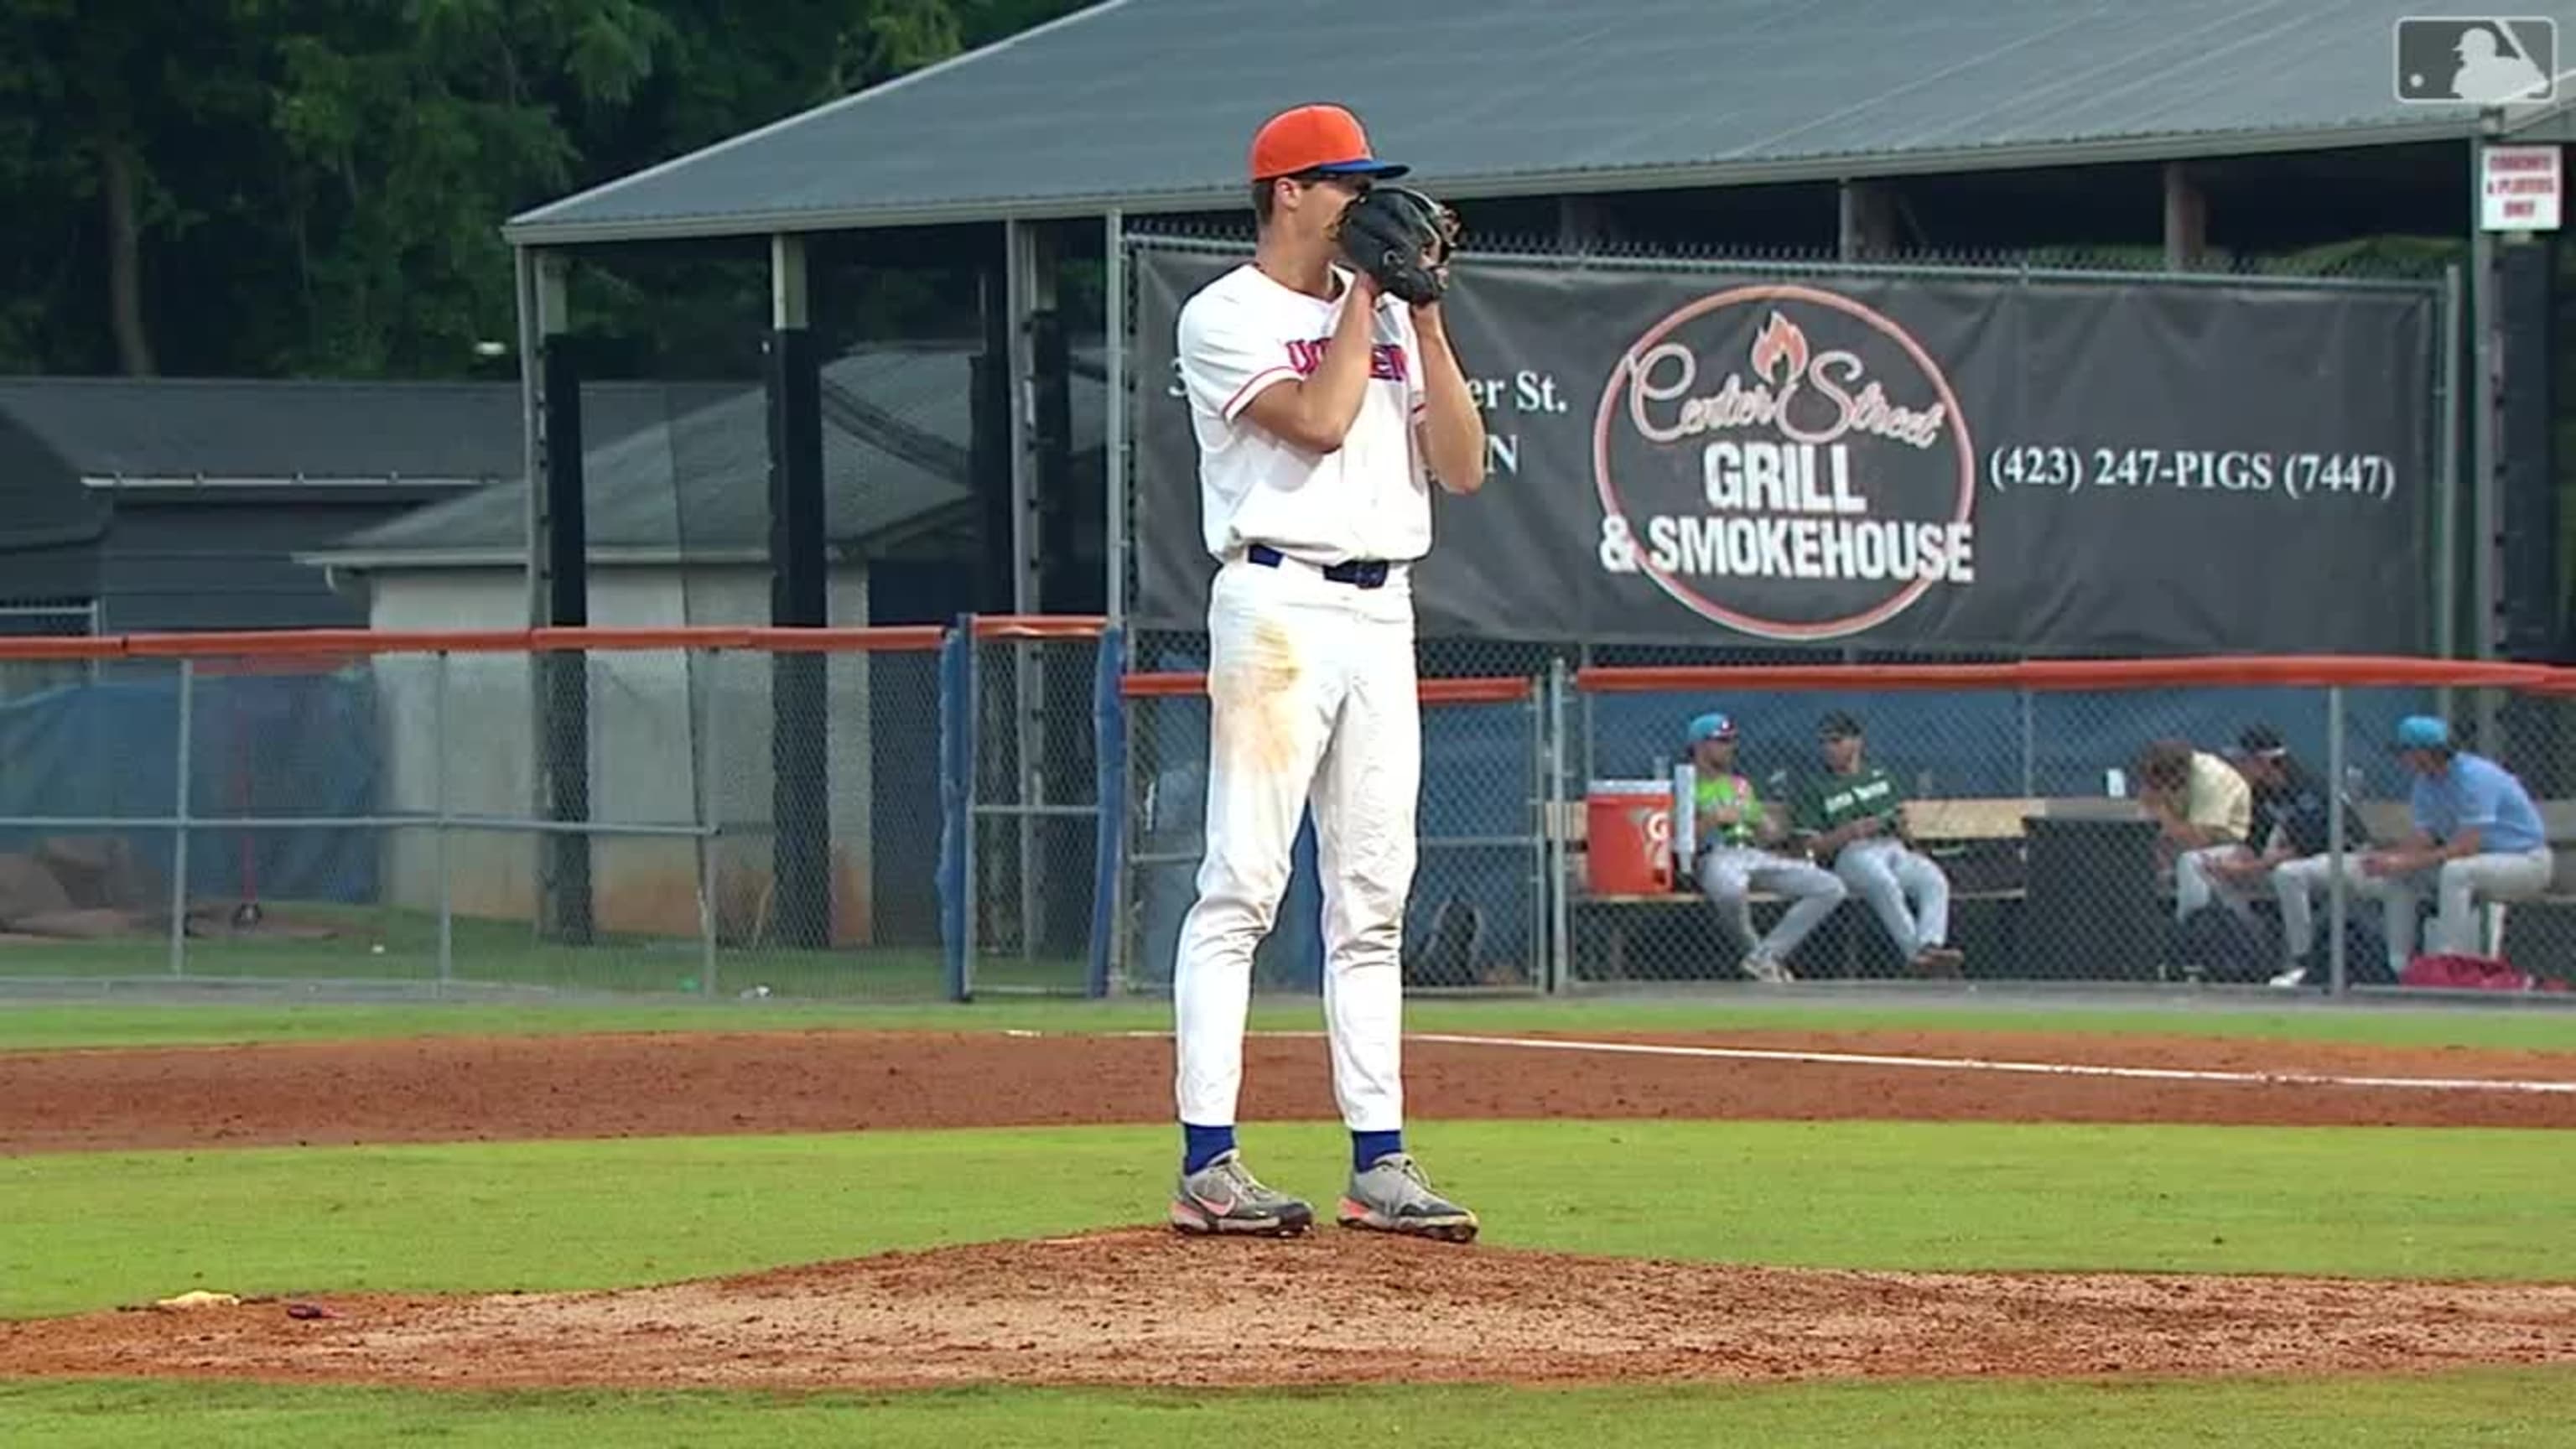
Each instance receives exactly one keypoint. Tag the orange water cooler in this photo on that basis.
(1628, 837)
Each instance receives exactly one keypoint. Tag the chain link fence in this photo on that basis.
(1869, 823)
(1043, 696)
(1476, 917)
(1016, 805)
(599, 812)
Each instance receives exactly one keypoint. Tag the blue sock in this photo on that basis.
(1368, 1147)
(1203, 1145)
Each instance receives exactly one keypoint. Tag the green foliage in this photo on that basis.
(317, 186)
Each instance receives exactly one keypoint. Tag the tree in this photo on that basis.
(120, 108)
(317, 186)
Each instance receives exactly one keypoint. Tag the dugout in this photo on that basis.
(2189, 136)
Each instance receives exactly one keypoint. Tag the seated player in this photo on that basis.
(2202, 808)
(1852, 819)
(2293, 822)
(1734, 835)
(2478, 839)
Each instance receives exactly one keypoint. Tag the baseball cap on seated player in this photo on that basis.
(2261, 741)
(1710, 726)
(1316, 138)
(2422, 732)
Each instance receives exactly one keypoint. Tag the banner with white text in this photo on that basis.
(2018, 464)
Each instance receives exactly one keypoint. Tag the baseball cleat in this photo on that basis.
(1764, 968)
(1393, 1196)
(1225, 1198)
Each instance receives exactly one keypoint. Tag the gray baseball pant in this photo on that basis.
(1888, 874)
(1727, 873)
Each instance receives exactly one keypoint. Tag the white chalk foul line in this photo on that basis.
(1966, 1064)
(1979, 1064)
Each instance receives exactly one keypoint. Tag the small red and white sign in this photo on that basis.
(2520, 188)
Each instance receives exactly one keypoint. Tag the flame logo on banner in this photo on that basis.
(1780, 341)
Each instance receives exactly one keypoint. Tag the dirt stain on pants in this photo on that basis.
(1253, 703)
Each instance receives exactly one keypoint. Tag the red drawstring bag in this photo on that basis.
(2453, 972)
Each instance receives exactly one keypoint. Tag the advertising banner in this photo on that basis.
(2010, 463)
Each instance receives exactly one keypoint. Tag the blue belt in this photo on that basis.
(1361, 573)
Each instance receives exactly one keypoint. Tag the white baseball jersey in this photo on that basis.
(1371, 498)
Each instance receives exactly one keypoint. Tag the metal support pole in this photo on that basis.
(180, 817)
(1122, 954)
(1114, 426)
(1560, 961)
(1536, 714)
(542, 287)
(560, 681)
(801, 851)
(2446, 506)
(2186, 218)
(2336, 890)
(1021, 285)
(707, 815)
(970, 707)
(1028, 699)
(1114, 499)
(444, 808)
(1030, 292)
(2482, 460)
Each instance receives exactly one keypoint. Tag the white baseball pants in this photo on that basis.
(2195, 886)
(2459, 885)
(1728, 872)
(2297, 884)
(1888, 874)
(1310, 702)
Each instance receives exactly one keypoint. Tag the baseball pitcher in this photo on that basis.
(1325, 399)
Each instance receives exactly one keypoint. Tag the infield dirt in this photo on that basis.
(1142, 1307)
(434, 1089)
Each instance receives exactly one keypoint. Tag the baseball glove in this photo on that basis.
(1403, 239)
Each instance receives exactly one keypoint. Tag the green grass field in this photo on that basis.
(2495, 1410)
(393, 946)
(33, 1025)
(94, 1230)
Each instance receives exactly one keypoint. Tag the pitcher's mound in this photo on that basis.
(1145, 1307)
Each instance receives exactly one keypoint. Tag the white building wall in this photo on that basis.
(654, 748)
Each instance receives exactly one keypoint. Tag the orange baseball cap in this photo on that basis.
(1316, 138)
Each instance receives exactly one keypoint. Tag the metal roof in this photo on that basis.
(1148, 105)
(897, 421)
(49, 525)
(196, 432)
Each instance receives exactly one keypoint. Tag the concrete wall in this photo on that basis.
(665, 726)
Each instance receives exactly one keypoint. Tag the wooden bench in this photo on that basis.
(1939, 827)
(1976, 839)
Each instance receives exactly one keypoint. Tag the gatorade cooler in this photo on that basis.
(1628, 837)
